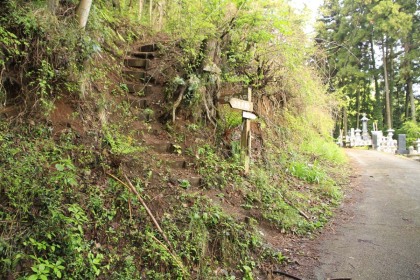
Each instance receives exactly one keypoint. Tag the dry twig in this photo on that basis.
(176, 259)
(133, 189)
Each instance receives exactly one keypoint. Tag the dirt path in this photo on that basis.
(381, 238)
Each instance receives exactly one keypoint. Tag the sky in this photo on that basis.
(313, 5)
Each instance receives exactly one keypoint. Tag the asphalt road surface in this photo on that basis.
(382, 240)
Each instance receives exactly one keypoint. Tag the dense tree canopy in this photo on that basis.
(372, 57)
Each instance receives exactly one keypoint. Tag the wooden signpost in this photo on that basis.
(241, 104)
(247, 107)
(248, 115)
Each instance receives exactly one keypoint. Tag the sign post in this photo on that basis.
(247, 107)
(241, 104)
(246, 136)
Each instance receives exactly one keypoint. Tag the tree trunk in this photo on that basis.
(377, 111)
(409, 83)
(411, 95)
(345, 128)
(357, 108)
(141, 3)
(387, 95)
(391, 79)
(160, 8)
(211, 75)
(365, 108)
(82, 12)
(406, 104)
(151, 13)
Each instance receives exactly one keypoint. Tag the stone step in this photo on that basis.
(186, 182)
(149, 55)
(168, 148)
(161, 147)
(140, 103)
(149, 48)
(135, 88)
(137, 63)
(137, 75)
(180, 164)
(148, 90)
(152, 89)
(145, 114)
(143, 103)
(195, 181)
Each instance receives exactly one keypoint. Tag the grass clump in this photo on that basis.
(217, 171)
(119, 143)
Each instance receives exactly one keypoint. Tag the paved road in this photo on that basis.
(382, 241)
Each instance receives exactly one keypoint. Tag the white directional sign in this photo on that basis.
(248, 115)
(241, 104)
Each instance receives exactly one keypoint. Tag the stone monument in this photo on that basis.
(402, 144)
(365, 133)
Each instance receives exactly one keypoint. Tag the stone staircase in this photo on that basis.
(166, 166)
(167, 160)
(138, 72)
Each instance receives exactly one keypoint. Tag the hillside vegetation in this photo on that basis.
(86, 189)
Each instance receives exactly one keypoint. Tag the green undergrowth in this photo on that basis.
(62, 217)
(296, 187)
(216, 170)
(120, 144)
(52, 55)
(292, 201)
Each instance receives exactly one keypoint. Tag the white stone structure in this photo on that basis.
(360, 138)
(413, 153)
(386, 143)
(418, 145)
(365, 133)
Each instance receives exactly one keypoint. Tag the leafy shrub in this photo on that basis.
(411, 130)
(44, 223)
(120, 144)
